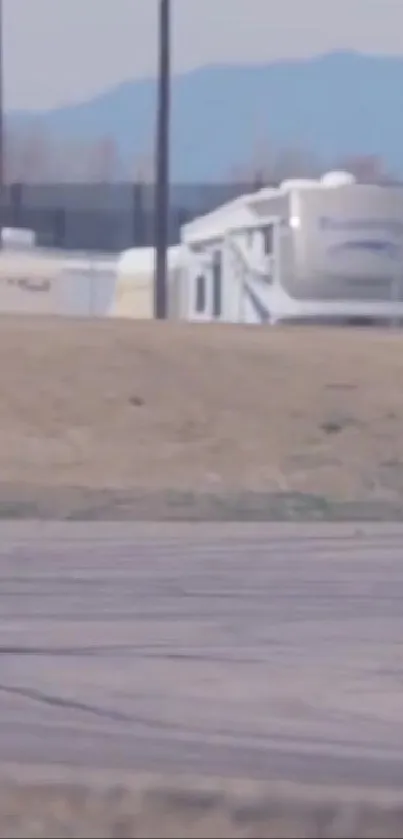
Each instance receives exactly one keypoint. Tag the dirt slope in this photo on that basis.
(125, 406)
(81, 805)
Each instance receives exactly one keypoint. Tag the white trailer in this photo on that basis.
(42, 281)
(329, 250)
(134, 293)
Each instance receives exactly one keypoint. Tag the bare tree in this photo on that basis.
(29, 154)
(104, 163)
(34, 156)
(257, 169)
(296, 163)
(143, 169)
(71, 161)
(368, 168)
(268, 167)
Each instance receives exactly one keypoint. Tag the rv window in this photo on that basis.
(268, 240)
(217, 276)
(200, 293)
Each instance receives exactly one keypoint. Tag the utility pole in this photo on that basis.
(162, 161)
(2, 132)
(2, 138)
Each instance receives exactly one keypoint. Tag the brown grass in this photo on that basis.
(126, 406)
(159, 807)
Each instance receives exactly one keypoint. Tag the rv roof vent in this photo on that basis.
(338, 179)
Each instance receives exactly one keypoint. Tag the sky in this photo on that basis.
(60, 51)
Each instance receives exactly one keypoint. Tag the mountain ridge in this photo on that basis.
(331, 105)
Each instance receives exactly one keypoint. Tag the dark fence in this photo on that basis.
(105, 217)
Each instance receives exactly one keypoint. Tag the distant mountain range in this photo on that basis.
(339, 104)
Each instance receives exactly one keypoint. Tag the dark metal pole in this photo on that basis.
(162, 162)
(2, 138)
(2, 132)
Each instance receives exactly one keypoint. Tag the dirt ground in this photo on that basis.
(105, 416)
(151, 807)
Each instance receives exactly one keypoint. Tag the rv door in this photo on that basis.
(205, 283)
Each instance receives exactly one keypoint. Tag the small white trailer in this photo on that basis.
(328, 250)
(134, 290)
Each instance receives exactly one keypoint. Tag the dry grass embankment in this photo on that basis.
(95, 415)
(151, 807)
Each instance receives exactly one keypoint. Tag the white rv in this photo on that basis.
(309, 250)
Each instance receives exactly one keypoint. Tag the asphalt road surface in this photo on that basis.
(267, 651)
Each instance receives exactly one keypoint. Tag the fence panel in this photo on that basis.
(105, 217)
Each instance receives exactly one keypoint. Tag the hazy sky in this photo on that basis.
(63, 50)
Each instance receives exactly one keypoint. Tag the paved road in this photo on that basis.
(267, 651)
